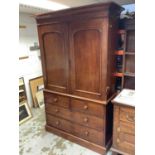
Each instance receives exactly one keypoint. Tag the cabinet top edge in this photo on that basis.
(110, 7)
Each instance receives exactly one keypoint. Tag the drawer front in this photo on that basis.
(83, 119)
(125, 142)
(88, 107)
(127, 114)
(126, 128)
(58, 123)
(56, 99)
(89, 134)
(75, 129)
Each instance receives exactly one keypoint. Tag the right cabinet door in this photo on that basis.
(88, 56)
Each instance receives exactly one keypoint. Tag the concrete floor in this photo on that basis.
(34, 140)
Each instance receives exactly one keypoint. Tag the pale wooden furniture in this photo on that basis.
(124, 126)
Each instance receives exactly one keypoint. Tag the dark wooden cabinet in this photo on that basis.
(77, 51)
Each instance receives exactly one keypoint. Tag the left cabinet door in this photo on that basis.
(54, 53)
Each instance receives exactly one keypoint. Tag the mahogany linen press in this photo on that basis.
(77, 51)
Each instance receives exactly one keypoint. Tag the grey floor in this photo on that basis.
(34, 140)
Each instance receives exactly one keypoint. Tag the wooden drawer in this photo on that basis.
(88, 107)
(89, 134)
(127, 114)
(56, 99)
(58, 123)
(125, 142)
(75, 129)
(126, 128)
(83, 119)
(125, 133)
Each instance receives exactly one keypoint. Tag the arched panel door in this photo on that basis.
(55, 56)
(88, 58)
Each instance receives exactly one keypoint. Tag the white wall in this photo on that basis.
(31, 67)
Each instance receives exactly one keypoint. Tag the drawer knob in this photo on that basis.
(130, 118)
(56, 110)
(118, 129)
(55, 99)
(118, 140)
(85, 107)
(57, 122)
(86, 133)
(85, 120)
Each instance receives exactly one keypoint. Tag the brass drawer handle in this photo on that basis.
(130, 118)
(118, 129)
(85, 107)
(118, 140)
(56, 110)
(86, 133)
(107, 90)
(55, 99)
(85, 119)
(57, 122)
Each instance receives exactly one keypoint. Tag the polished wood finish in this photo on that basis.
(88, 108)
(124, 129)
(78, 50)
(75, 129)
(87, 76)
(58, 100)
(80, 118)
(54, 44)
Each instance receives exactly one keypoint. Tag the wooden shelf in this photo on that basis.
(126, 42)
(119, 52)
(129, 74)
(121, 31)
(21, 84)
(22, 90)
(118, 74)
(21, 98)
(129, 53)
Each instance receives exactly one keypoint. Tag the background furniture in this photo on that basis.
(124, 124)
(126, 51)
(34, 85)
(24, 110)
(22, 91)
(77, 51)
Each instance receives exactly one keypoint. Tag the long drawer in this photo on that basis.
(88, 107)
(81, 118)
(77, 130)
